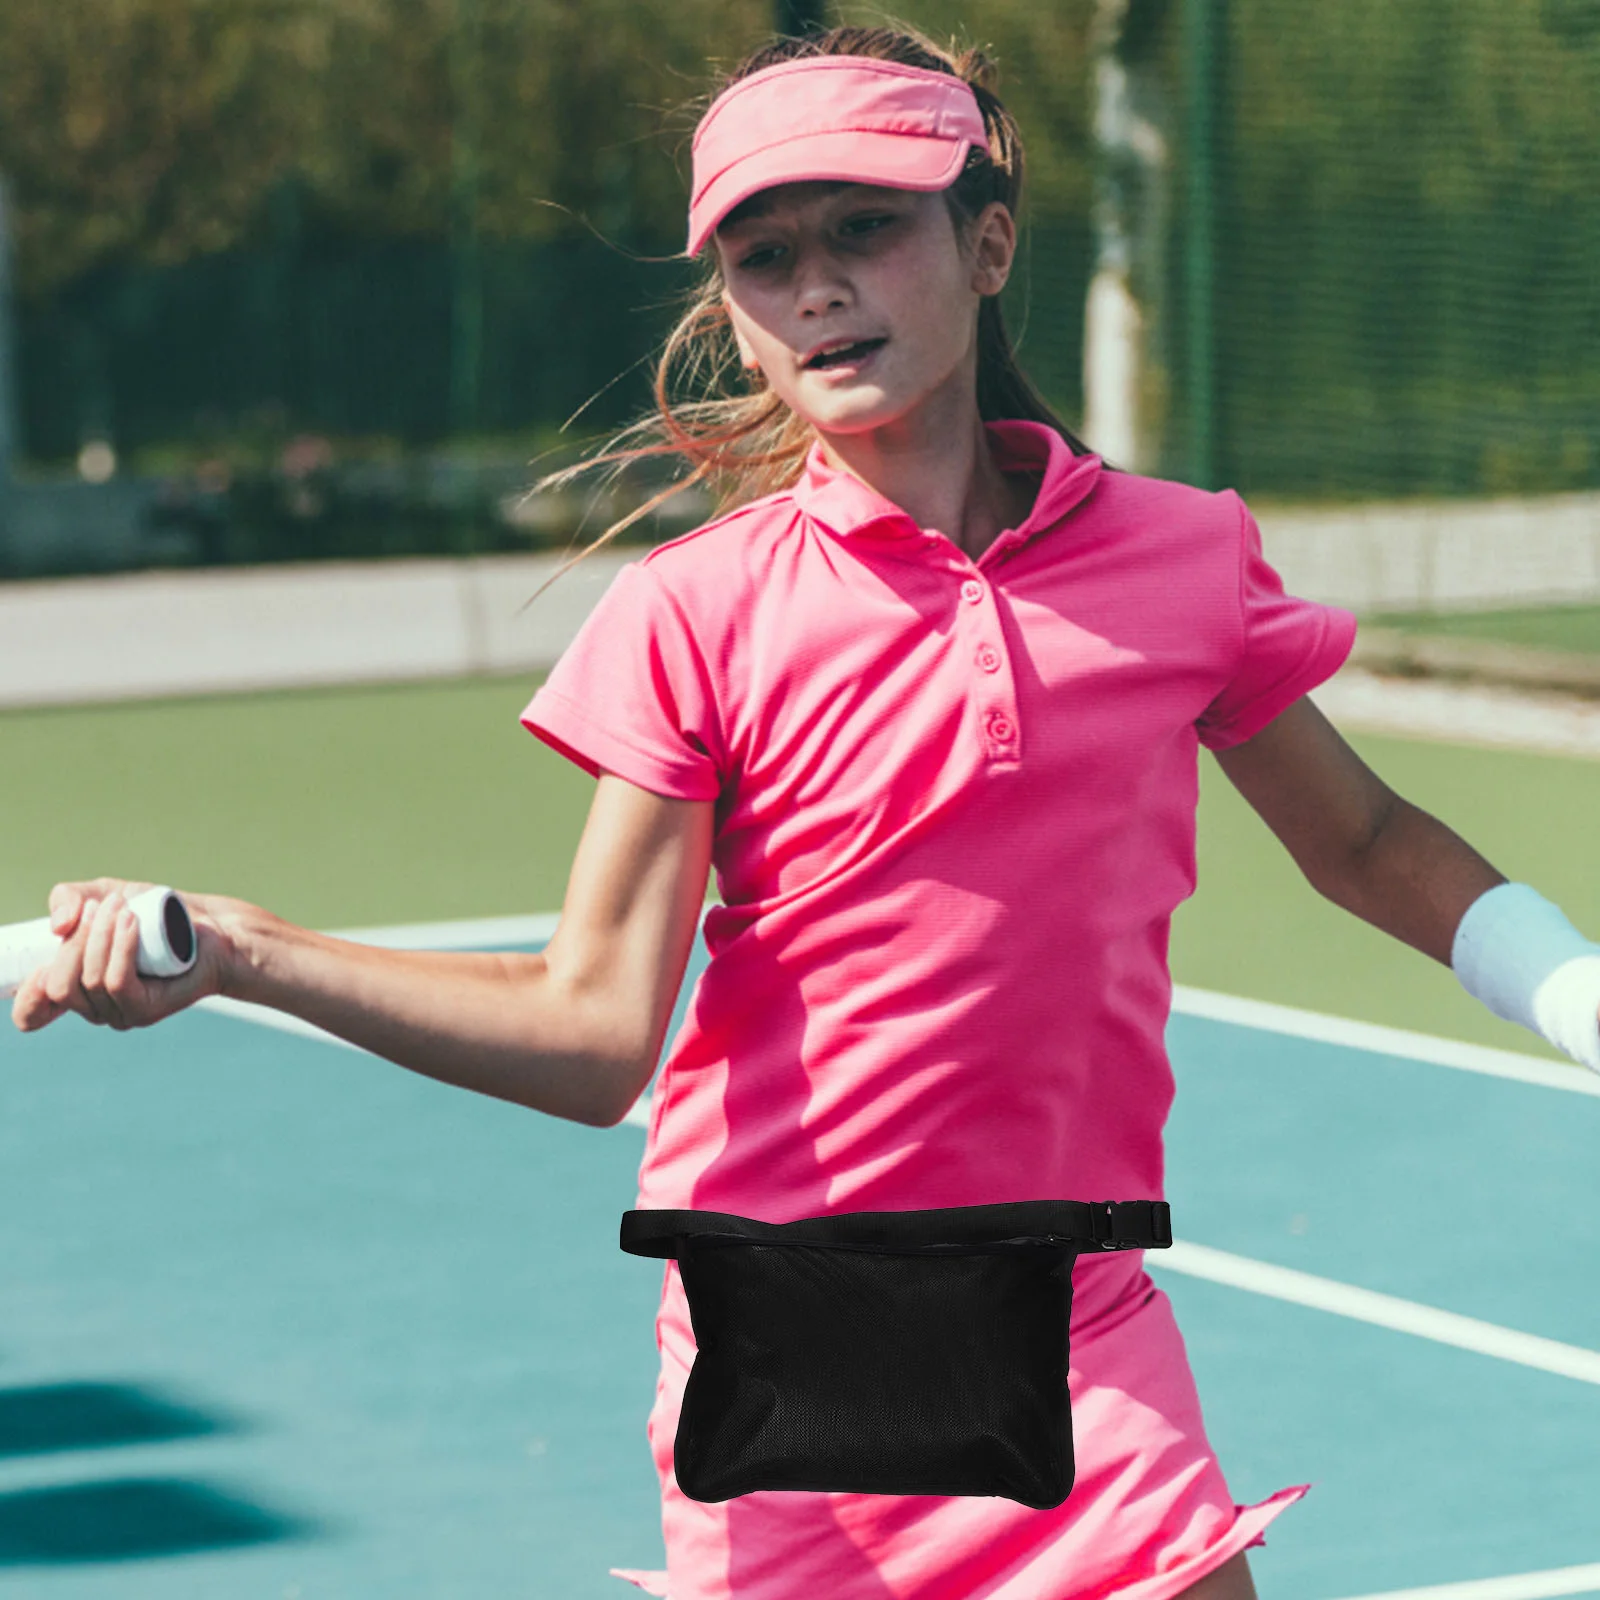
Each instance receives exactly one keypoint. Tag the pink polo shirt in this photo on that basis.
(955, 809)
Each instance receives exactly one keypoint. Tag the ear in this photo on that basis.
(747, 356)
(995, 248)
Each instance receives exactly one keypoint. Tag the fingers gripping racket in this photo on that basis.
(167, 943)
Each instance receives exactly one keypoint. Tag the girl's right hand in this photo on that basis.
(93, 972)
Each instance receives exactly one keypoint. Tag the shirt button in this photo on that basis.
(1000, 727)
(972, 591)
(989, 659)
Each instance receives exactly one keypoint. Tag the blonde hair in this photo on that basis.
(740, 440)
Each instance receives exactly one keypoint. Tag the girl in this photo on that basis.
(930, 699)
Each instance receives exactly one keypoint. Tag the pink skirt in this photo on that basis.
(1149, 1513)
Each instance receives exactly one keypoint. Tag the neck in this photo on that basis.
(935, 464)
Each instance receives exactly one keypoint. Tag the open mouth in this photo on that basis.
(845, 355)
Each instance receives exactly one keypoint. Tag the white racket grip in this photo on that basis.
(167, 942)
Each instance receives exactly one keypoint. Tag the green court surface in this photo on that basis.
(404, 804)
(1575, 628)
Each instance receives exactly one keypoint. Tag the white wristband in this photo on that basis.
(1517, 953)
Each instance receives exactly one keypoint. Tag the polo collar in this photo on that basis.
(845, 505)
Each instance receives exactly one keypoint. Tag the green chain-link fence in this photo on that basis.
(1404, 293)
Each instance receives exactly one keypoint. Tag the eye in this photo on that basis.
(868, 222)
(761, 256)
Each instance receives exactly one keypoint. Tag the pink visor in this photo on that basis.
(830, 117)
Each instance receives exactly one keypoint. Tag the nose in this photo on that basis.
(820, 283)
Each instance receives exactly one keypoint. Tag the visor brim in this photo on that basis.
(887, 160)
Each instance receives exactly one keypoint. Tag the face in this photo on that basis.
(859, 304)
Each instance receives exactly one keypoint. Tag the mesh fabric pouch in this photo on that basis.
(884, 1352)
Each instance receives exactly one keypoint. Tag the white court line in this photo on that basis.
(1200, 1261)
(464, 935)
(266, 1017)
(1382, 1310)
(1519, 1586)
(474, 933)
(1318, 1025)
(1264, 1015)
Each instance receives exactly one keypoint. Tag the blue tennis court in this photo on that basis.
(278, 1320)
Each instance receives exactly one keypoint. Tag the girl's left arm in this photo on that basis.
(1358, 842)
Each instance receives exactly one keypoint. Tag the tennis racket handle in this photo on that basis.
(167, 942)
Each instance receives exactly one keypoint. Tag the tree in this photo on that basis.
(148, 128)
(156, 130)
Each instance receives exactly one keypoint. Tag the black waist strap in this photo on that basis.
(1089, 1225)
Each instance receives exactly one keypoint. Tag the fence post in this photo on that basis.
(10, 441)
(1125, 366)
(466, 267)
(466, 261)
(1204, 36)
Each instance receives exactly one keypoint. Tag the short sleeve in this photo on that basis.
(1288, 647)
(632, 694)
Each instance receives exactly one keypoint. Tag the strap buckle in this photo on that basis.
(1103, 1224)
(1118, 1227)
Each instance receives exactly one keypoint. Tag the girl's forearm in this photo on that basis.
(1414, 880)
(497, 1023)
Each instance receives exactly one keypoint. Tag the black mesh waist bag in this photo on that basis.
(884, 1352)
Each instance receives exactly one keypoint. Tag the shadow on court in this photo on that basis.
(121, 1519)
(129, 1518)
(95, 1416)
